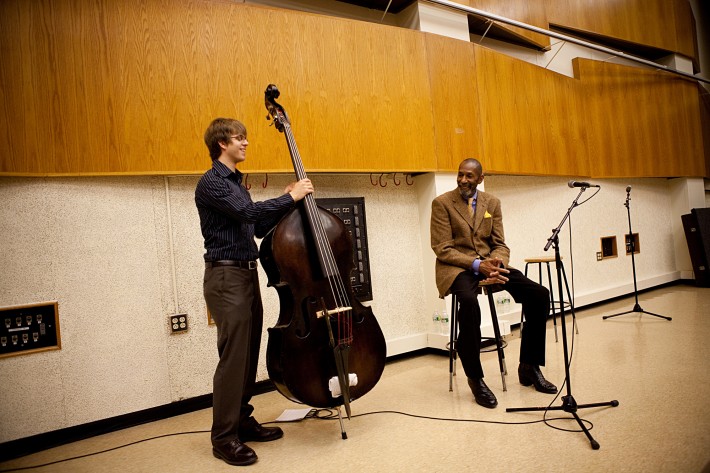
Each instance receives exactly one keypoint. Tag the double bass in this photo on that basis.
(326, 348)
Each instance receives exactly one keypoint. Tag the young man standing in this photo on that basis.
(230, 220)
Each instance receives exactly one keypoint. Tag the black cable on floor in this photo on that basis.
(331, 414)
(103, 451)
(317, 414)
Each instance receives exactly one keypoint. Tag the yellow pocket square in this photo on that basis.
(487, 215)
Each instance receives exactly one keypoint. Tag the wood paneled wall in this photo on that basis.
(455, 95)
(641, 123)
(99, 86)
(104, 87)
(664, 24)
(529, 128)
(532, 12)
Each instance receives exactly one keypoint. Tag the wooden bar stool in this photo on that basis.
(546, 260)
(488, 289)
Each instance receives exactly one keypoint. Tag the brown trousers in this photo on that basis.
(234, 301)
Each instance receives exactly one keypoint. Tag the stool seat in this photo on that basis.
(488, 289)
(541, 259)
(489, 284)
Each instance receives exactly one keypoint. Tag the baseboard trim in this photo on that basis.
(37, 443)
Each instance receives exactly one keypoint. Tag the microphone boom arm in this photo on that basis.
(556, 231)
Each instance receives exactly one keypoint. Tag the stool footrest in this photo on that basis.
(494, 347)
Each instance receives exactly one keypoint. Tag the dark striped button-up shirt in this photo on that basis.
(230, 219)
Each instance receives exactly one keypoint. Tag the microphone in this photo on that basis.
(628, 189)
(580, 184)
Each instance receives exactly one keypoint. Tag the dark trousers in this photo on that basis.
(234, 301)
(536, 305)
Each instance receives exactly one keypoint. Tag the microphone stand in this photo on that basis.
(569, 404)
(632, 244)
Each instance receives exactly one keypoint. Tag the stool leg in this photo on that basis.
(452, 341)
(552, 300)
(499, 343)
(571, 305)
(522, 313)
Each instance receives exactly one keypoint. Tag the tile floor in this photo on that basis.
(410, 422)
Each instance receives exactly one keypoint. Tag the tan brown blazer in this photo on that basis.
(457, 239)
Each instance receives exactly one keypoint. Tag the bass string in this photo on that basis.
(321, 238)
(335, 281)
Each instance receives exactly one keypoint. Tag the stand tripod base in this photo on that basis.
(637, 308)
(570, 406)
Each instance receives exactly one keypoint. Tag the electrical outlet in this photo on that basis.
(599, 256)
(178, 323)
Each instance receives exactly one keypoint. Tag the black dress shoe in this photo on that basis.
(252, 431)
(531, 374)
(482, 394)
(235, 453)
